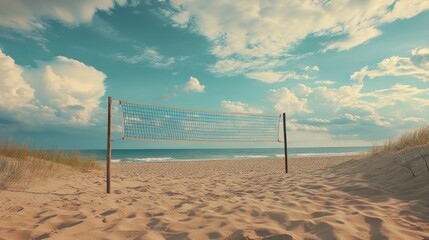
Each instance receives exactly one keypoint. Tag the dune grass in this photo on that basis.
(17, 171)
(71, 158)
(418, 137)
(19, 162)
(413, 138)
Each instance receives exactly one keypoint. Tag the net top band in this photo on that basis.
(198, 110)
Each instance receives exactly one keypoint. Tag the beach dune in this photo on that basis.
(352, 197)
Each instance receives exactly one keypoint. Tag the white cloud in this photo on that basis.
(355, 38)
(272, 77)
(302, 90)
(193, 85)
(148, 55)
(182, 18)
(15, 91)
(336, 98)
(62, 91)
(245, 31)
(311, 68)
(319, 120)
(232, 106)
(286, 101)
(381, 107)
(294, 125)
(353, 111)
(233, 66)
(352, 117)
(416, 66)
(29, 15)
(418, 98)
(68, 86)
(324, 82)
(268, 77)
(415, 120)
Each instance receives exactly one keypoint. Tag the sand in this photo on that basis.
(321, 198)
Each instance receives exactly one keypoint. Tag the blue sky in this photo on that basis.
(347, 74)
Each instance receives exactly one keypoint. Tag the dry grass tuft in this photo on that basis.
(413, 138)
(23, 151)
(18, 162)
(18, 171)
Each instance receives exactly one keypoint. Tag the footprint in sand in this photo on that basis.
(16, 209)
(177, 236)
(109, 212)
(47, 218)
(68, 224)
(38, 215)
(320, 214)
(214, 235)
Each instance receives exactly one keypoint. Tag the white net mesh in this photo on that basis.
(143, 121)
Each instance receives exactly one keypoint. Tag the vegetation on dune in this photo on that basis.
(413, 138)
(19, 162)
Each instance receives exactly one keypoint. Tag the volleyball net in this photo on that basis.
(141, 121)
(152, 122)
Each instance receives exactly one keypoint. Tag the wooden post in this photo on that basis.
(109, 144)
(285, 141)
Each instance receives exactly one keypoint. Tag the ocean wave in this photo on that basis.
(251, 156)
(115, 160)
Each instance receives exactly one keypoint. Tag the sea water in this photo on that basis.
(169, 155)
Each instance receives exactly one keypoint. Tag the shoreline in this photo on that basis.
(119, 161)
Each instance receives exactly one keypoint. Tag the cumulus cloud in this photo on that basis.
(311, 68)
(244, 31)
(302, 90)
(272, 77)
(15, 91)
(286, 101)
(417, 65)
(28, 15)
(193, 85)
(71, 88)
(232, 106)
(61, 91)
(352, 110)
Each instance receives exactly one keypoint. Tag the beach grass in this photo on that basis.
(18, 161)
(413, 138)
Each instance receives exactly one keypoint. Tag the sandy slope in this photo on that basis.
(321, 198)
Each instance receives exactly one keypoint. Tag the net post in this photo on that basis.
(109, 143)
(285, 142)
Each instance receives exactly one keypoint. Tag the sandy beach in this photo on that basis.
(321, 198)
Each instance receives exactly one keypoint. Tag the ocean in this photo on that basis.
(169, 155)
